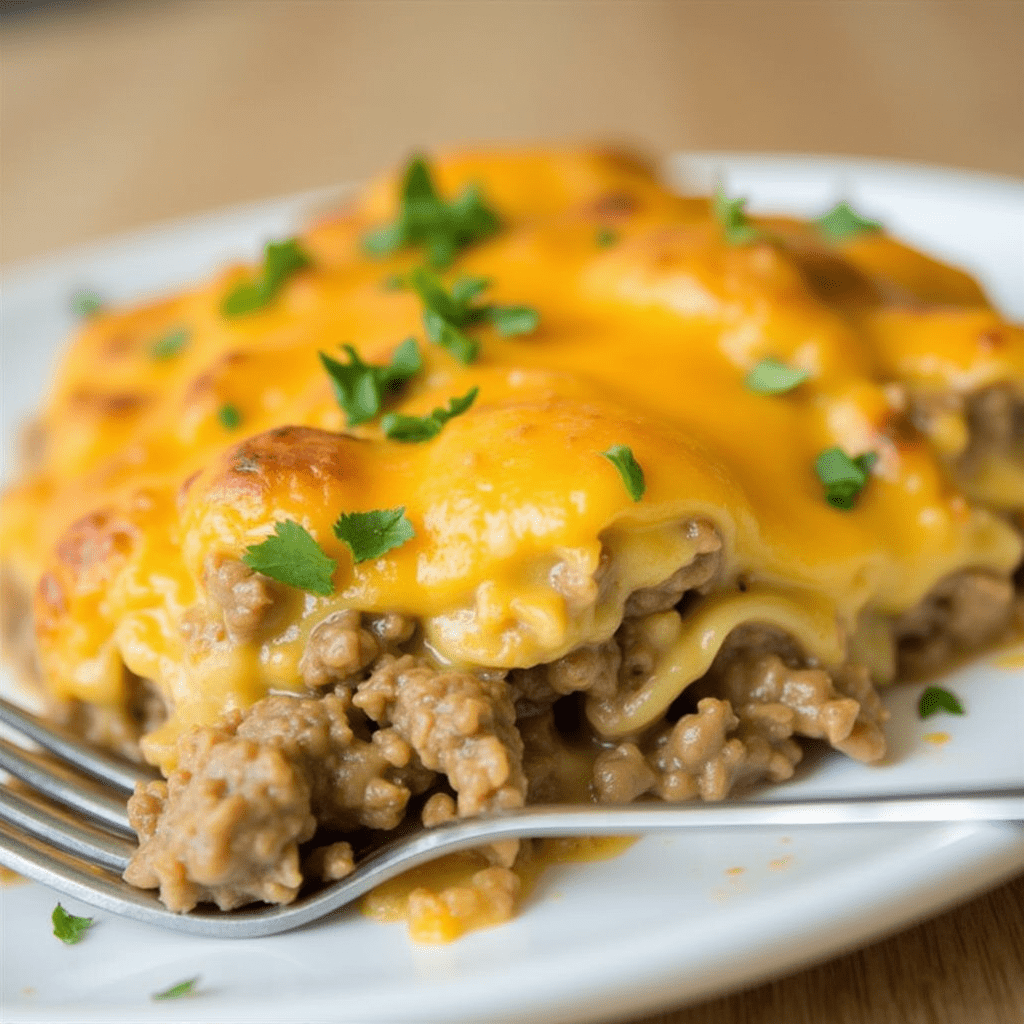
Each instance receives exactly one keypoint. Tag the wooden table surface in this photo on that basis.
(114, 115)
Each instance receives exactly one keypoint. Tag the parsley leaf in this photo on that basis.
(360, 387)
(509, 321)
(621, 457)
(843, 478)
(842, 223)
(371, 534)
(772, 377)
(68, 928)
(425, 219)
(85, 304)
(423, 428)
(732, 216)
(447, 315)
(935, 699)
(606, 237)
(183, 988)
(291, 556)
(466, 289)
(229, 416)
(170, 344)
(280, 261)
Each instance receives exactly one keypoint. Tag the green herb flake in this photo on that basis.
(426, 220)
(466, 289)
(229, 416)
(69, 928)
(372, 534)
(183, 988)
(85, 304)
(842, 223)
(605, 237)
(291, 556)
(280, 261)
(444, 316)
(510, 321)
(731, 215)
(423, 428)
(170, 344)
(772, 377)
(843, 477)
(396, 283)
(935, 699)
(621, 457)
(447, 315)
(360, 388)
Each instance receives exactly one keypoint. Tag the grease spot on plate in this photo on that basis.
(1010, 659)
(937, 739)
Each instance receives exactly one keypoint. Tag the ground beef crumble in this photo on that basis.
(965, 613)
(460, 724)
(226, 825)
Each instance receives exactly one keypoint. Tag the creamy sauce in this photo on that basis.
(439, 901)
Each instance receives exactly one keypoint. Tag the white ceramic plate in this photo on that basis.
(670, 921)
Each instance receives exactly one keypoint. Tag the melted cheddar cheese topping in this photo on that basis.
(527, 544)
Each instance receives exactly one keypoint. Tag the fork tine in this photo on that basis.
(67, 831)
(65, 786)
(32, 858)
(113, 770)
(97, 887)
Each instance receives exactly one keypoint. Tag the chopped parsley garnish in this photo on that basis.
(842, 223)
(396, 283)
(67, 927)
(423, 428)
(843, 478)
(229, 416)
(424, 219)
(447, 315)
(621, 457)
(772, 377)
(937, 699)
(85, 304)
(606, 237)
(731, 215)
(280, 261)
(360, 387)
(183, 988)
(170, 344)
(291, 556)
(466, 289)
(371, 534)
(510, 321)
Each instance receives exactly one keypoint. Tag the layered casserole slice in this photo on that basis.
(520, 479)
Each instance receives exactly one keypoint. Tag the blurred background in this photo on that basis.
(117, 114)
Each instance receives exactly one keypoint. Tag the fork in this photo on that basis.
(82, 852)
